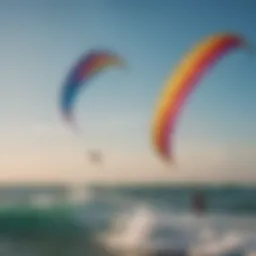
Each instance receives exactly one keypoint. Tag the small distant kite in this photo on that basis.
(181, 83)
(87, 67)
(95, 157)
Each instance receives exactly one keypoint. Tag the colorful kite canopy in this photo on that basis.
(182, 81)
(86, 68)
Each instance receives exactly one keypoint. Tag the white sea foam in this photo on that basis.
(148, 230)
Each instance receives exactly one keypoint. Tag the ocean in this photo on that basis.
(136, 220)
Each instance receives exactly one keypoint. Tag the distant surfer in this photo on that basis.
(198, 203)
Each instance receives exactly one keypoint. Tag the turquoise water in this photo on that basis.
(228, 199)
(230, 214)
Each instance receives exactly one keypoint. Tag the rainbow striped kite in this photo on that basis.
(86, 68)
(182, 81)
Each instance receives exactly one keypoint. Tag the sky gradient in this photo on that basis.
(40, 41)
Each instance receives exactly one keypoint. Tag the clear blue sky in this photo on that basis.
(40, 40)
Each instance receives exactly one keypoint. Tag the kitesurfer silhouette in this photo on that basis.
(198, 203)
